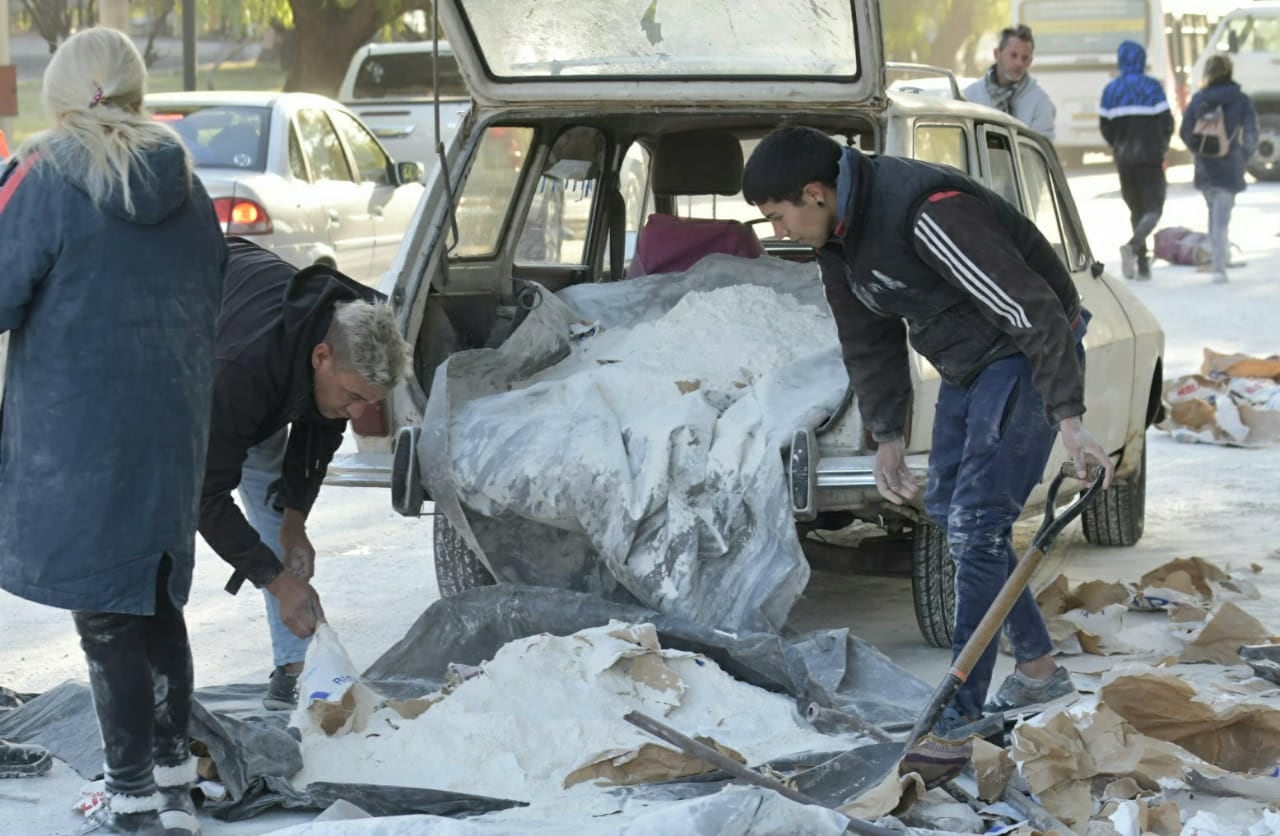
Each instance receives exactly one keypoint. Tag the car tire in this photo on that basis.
(933, 583)
(1116, 516)
(457, 567)
(1265, 163)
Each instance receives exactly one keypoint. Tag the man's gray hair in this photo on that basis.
(366, 340)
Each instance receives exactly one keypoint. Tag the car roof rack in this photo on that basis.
(927, 69)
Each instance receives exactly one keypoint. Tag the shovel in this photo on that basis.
(854, 772)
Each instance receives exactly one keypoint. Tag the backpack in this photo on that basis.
(1210, 138)
(1179, 245)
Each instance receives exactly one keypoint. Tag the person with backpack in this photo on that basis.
(1220, 128)
(1136, 122)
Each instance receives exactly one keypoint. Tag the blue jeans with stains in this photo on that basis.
(262, 469)
(991, 442)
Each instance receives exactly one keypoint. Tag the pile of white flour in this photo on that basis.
(545, 706)
(724, 338)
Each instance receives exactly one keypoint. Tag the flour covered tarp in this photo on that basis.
(626, 439)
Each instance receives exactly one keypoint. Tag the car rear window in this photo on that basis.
(221, 136)
(407, 75)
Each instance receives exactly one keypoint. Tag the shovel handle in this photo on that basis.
(1054, 522)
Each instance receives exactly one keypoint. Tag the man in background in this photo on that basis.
(1008, 86)
(1136, 122)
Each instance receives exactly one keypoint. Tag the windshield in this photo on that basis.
(610, 39)
(221, 136)
(1085, 27)
(407, 75)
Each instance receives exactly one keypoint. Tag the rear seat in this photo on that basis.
(693, 164)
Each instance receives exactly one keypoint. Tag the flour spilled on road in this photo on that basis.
(548, 711)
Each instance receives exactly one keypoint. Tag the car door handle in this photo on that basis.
(334, 217)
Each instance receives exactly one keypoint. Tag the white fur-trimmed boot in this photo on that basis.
(178, 810)
(137, 815)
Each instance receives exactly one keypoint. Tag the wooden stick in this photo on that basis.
(703, 752)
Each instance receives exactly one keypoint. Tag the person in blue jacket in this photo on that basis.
(113, 263)
(1137, 123)
(1220, 179)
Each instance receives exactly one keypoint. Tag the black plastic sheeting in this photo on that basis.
(255, 754)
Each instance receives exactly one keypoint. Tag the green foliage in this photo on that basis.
(241, 18)
(912, 27)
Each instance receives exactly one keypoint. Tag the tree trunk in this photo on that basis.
(149, 55)
(952, 33)
(326, 36)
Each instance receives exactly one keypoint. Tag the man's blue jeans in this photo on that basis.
(991, 441)
(262, 467)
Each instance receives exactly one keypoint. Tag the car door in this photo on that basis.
(391, 203)
(1109, 343)
(346, 202)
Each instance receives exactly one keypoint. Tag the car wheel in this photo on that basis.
(1265, 163)
(933, 583)
(457, 567)
(1117, 515)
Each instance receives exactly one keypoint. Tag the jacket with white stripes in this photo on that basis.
(1134, 114)
(927, 254)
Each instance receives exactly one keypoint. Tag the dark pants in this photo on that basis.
(141, 678)
(991, 442)
(1143, 187)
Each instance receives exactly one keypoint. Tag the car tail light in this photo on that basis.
(372, 421)
(241, 217)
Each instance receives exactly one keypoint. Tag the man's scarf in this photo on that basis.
(1002, 97)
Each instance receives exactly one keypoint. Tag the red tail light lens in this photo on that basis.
(241, 217)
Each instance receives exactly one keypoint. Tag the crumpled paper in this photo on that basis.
(1240, 737)
(1061, 752)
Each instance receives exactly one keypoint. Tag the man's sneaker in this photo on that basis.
(1220, 277)
(282, 691)
(1019, 694)
(23, 760)
(1128, 261)
(1144, 267)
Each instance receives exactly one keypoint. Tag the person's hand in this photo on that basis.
(299, 603)
(299, 556)
(894, 480)
(1081, 446)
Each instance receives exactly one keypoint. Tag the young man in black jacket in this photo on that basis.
(298, 354)
(910, 250)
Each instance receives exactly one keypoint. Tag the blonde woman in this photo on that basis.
(110, 291)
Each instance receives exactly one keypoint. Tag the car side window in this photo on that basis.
(490, 187)
(297, 162)
(320, 144)
(372, 163)
(1000, 174)
(555, 228)
(1041, 207)
(946, 144)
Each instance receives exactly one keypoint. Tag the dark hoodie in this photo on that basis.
(273, 317)
(1241, 125)
(111, 315)
(1134, 116)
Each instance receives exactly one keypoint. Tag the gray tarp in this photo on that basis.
(556, 484)
(255, 755)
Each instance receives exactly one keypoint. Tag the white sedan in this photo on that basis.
(299, 174)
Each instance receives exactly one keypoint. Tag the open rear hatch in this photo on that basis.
(798, 52)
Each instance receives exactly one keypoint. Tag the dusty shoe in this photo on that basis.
(131, 814)
(177, 807)
(282, 691)
(1144, 268)
(1128, 261)
(1020, 694)
(1220, 277)
(23, 760)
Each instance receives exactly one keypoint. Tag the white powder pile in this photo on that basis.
(546, 706)
(723, 338)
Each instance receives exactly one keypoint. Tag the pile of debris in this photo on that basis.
(1235, 401)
